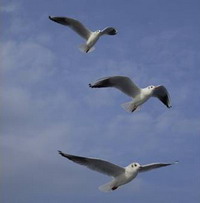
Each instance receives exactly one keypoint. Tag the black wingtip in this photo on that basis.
(113, 32)
(90, 85)
(50, 17)
(60, 152)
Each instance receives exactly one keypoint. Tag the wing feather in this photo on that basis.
(124, 84)
(109, 31)
(98, 165)
(162, 94)
(148, 167)
(75, 25)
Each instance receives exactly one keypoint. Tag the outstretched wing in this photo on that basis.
(144, 168)
(122, 83)
(99, 165)
(75, 25)
(162, 94)
(109, 31)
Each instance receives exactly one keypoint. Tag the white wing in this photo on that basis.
(122, 83)
(74, 24)
(144, 168)
(109, 31)
(99, 165)
(162, 94)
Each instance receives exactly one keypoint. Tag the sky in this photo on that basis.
(46, 104)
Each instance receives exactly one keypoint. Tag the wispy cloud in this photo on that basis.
(8, 8)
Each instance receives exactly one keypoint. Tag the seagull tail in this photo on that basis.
(130, 107)
(107, 187)
(84, 48)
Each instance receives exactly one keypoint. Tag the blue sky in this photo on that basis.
(48, 106)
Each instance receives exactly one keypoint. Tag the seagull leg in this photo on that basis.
(134, 109)
(114, 188)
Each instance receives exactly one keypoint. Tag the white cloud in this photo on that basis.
(8, 8)
(27, 61)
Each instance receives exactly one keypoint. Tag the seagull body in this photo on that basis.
(121, 175)
(127, 176)
(91, 41)
(139, 95)
(90, 36)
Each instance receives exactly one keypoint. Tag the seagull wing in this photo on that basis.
(122, 83)
(144, 168)
(74, 25)
(162, 94)
(99, 165)
(109, 31)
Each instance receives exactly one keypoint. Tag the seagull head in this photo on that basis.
(133, 167)
(151, 87)
(149, 90)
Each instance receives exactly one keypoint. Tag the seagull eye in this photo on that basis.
(132, 165)
(135, 165)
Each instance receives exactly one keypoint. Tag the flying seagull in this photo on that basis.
(90, 36)
(139, 95)
(121, 175)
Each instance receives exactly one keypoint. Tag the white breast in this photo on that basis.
(93, 38)
(142, 97)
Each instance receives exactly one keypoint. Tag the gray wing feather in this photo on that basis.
(122, 83)
(162, 94)
(99, 165)
(109, 31)
(75, 25)
(148, 167)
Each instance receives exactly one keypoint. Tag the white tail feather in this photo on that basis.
(106, 187)
(130, 107)
(84, 48)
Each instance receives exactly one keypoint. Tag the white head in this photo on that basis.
(150, 88)
(133, 167)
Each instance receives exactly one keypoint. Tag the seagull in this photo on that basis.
(90, 36)
(121, 175)
(139, 95)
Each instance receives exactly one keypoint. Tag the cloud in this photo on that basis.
(8, 8)
(28, 61)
